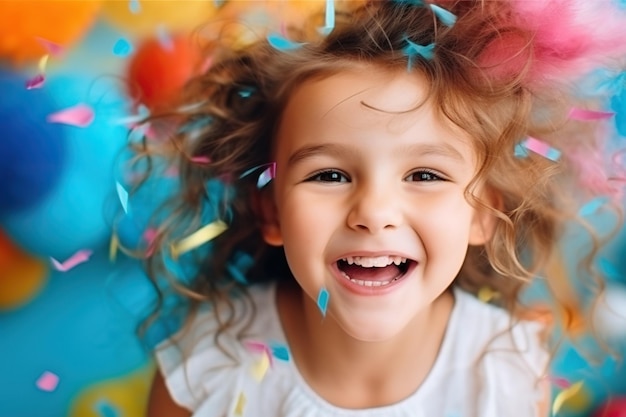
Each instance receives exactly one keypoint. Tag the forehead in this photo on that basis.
(369, 101)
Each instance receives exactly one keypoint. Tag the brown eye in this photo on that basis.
(424, 175)
(329, 176)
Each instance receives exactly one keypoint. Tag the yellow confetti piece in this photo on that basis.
(260, 368)
(113, 246)
(574, 398)
(43, 62)
(486, 294)
(241, 402)
(197, 238)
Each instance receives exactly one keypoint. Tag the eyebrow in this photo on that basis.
(422, 149)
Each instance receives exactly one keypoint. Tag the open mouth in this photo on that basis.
(378, 271)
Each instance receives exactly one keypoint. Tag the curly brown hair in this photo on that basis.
(229, 114)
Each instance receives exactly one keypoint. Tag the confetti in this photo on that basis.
(280, 351)
(36, 82)
(105, 409)
(259, 369)
(199, 237)
(239, 405)
(43, 62)
(54, 48)
(520, 151)
(592, 206)
(486, 294)
(48, 381)
(134, 6)
(149, 236)
(541, 148)
(114, 245)
(281, 43)
(322, 301)
(560, 382)
(241, 263)
(74, 260)
(123, 196)
(266, 176)
(122, 48)
(330, 18)
(573, 398)
(80, 115)
(202, 160)
(589, 115)
(443, 15)
(413, 49)
(609, 270)
(164, 38)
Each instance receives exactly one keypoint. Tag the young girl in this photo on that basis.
(373, 180)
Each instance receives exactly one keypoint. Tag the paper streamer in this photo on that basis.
(198, 238)
(322, 300)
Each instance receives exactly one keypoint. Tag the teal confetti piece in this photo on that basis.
(123, 196)
(411, 2)
(608, 269)
(330, 18)
(122, 48)
(266, 176)
(246, 92)
(281, 43)
(239, 266)
(443, 15)
(280, 352)
(520, 151)
(322, 301)
(105, 409)
(592, 206)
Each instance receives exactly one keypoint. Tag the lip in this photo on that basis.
(372, 291)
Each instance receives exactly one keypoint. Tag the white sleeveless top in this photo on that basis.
(482, 370)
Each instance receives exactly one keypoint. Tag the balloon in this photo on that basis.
(78, 332)
(21, 275)
(32, 151)
(144, 17)
(159, 69)
(71, 216)
(61, 22)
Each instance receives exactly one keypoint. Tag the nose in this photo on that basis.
(374, 208)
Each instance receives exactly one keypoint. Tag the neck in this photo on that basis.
(351, 373)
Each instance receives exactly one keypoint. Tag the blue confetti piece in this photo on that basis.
(609, 270)
(123, 196)
(412, 49)
(322, 301)
(592, 206)
(281, 43)
(266, 176)
(520, 151)
(411, 2)
(104, 409)
(122, 48)
(330, 18)
(280, 352)
(246, 92)
(238, 267)
(443, 15)
(134, 6)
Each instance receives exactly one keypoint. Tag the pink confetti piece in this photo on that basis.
(80, 115)
(202, 160)
(165, 39)
(560, 382)
(260, 348)
(36, 82)
(48, 381)
(74, 260)
(541, 148)
(149, 236)
(54, 48)
(584, 115)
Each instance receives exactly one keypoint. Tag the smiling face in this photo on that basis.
(368, 198)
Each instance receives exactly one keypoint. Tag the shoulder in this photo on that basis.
(195, 364)
(505, 358)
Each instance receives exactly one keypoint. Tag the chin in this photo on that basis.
(372, 331)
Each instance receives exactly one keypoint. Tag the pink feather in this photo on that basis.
(572, 36)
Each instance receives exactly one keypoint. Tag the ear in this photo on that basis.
(267, 215)
(484, 221)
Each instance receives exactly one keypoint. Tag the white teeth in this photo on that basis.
(368, 283)
(376, 262)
